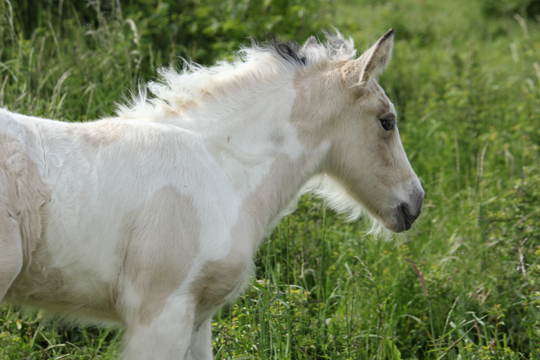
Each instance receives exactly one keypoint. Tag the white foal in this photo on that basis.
(150, 219)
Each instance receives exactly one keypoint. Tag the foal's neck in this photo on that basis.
(250, 135)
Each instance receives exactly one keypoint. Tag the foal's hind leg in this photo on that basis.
(11, 257)
(167, 336)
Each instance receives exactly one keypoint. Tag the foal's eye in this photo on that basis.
(388, 123)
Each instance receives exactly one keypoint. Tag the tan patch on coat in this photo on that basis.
(219, 281)
(162, 243)
(99, 133)
(318, 100)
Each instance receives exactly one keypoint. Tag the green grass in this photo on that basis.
(462, 284)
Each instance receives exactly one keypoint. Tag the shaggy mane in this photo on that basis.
(174, 90)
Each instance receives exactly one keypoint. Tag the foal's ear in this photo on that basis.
(359, 72)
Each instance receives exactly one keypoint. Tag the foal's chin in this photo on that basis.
(396, 226)
(402, 217)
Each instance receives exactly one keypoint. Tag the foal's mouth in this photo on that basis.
(406, 215)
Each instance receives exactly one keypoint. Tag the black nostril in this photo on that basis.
(407, 215)
(405, 210)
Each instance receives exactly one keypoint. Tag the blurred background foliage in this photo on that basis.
(525, 8)
(201, 31)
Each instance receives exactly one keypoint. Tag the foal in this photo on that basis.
(150, 219)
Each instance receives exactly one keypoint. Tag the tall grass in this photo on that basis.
(462, 284)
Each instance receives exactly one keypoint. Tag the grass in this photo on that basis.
(462, 284)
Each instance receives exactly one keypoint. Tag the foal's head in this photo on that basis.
(366, 158)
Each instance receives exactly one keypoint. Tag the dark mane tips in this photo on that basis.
(286, 49)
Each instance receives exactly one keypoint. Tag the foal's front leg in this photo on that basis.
(201, 341)
(166, 337)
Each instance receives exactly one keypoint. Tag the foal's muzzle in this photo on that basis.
(407, 213)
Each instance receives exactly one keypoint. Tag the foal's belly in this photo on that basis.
(73, 293)
(64, 278)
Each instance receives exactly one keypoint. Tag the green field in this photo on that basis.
(463, 283)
